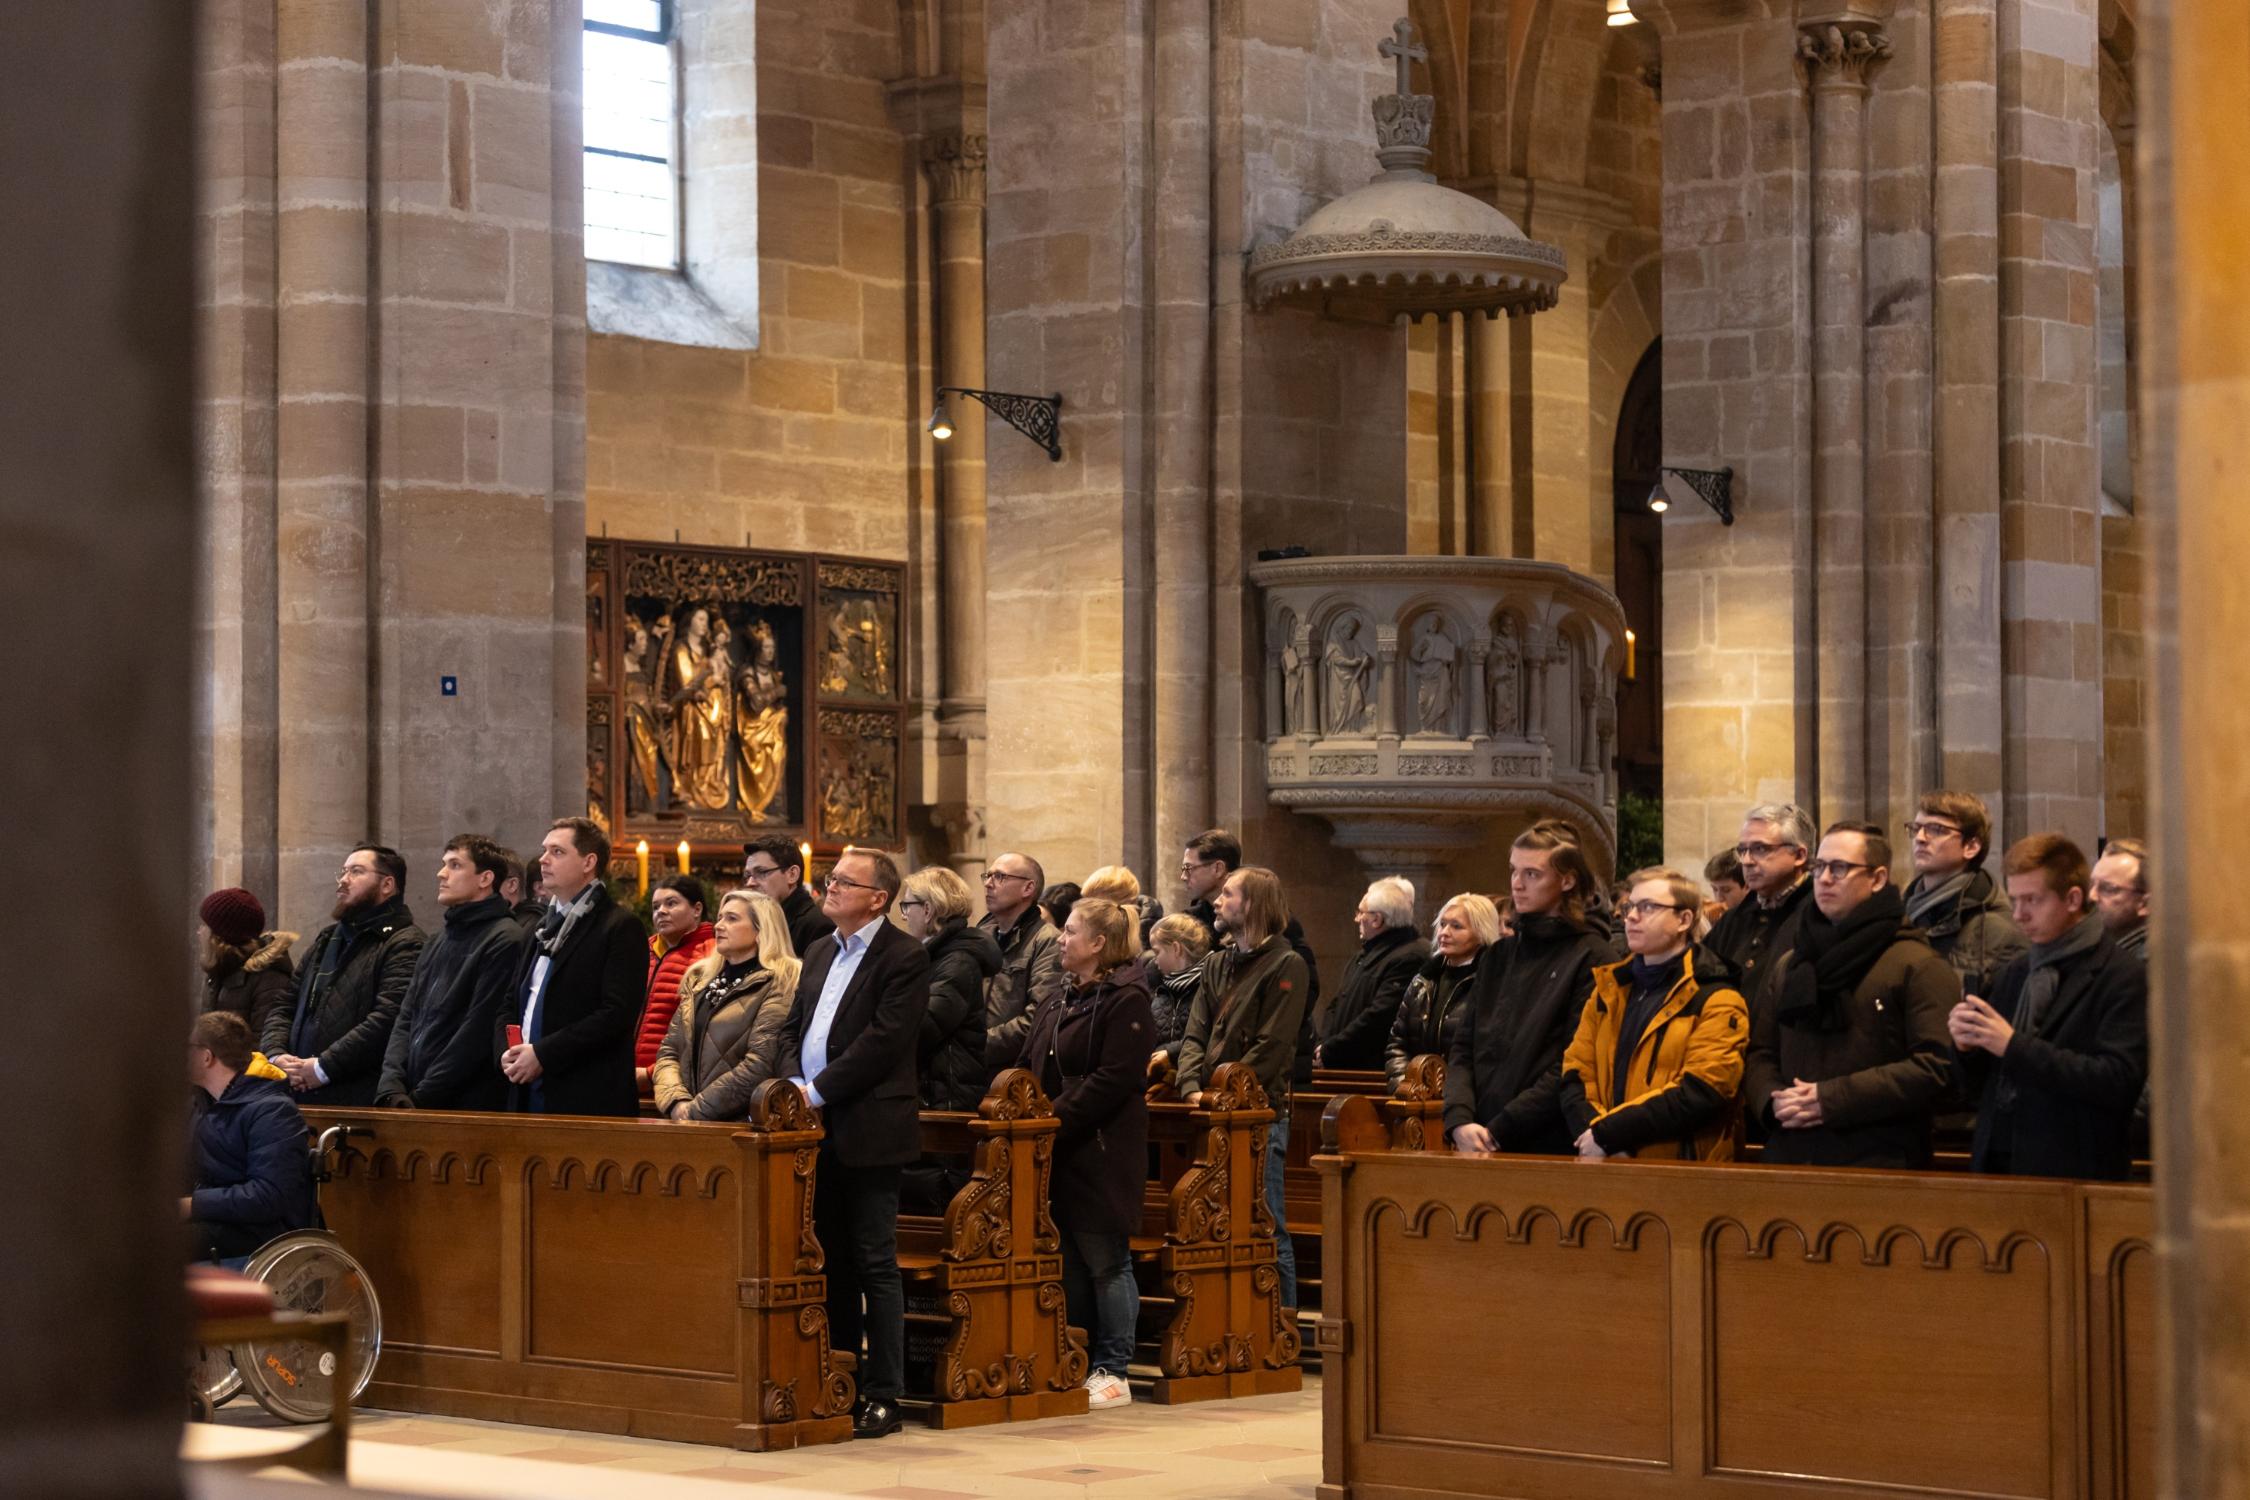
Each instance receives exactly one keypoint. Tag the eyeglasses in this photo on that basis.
(849, 885)
(1646, 909)
(760, 872)
(913, 903)
(1931, 830)
(1762, 851)
(991, 876)
(1190, 866)
(1835, 869)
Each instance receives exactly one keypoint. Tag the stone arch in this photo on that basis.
(1557, 80)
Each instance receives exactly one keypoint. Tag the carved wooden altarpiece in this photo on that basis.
(733, 693)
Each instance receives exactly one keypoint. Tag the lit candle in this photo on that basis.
(804, 852)
(640, 853)
(1631, 641)
(684, 851)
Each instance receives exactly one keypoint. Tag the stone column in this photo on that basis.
(1183, 627)
(1566, 520)
(238, 641)
(955, 166)
(2195, 384)
(1837, 58)
(321, 450)
(1965, 416)
(98, 376)
(1492, 483)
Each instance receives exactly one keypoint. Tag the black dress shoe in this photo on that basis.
(874, 1419)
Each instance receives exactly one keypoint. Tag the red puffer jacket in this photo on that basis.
(665, 966)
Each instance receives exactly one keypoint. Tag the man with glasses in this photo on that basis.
(850, 1043)
(1654, 1068)
(1962, 912)
(2121, 894)
(1849, 1058)
(1776, 843)
(330, 1041)
(1031, 971)
(776, 868)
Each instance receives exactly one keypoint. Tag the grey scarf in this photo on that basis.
(2040, 984)
(555, 929)
(1944, 893)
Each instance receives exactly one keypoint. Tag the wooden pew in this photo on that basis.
(1300, 1184)
(1206, 1251)
(1681, 1330)
(986, 1278)
(626, 1276)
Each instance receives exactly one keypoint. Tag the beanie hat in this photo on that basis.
(234, 916)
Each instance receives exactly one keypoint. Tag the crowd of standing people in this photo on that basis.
(1798, 997)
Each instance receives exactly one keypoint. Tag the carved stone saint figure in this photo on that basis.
(1434, 657)
(1505, 674)
(1351, 708)
(1294, 720)
(761, 727)
(644, 733)
(699, 717)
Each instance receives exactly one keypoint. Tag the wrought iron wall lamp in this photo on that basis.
(1036, 417)
(1715, 487)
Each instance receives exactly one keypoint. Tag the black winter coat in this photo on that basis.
(1300, 1063)
(951, 1055)
(1883, 1072)
(344, 1022)
(588, 1015)
(1750, 938)
(1358, 1020)
(2076, 1075)
(1504, 1069)
(1090, 1053)
(263, 982)
(1420, 1026)
(253, 1165)
(441, 1056)
(868, 1102)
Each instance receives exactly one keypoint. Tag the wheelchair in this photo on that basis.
(308, 1272)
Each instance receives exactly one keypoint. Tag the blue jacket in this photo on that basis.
(253, 1165)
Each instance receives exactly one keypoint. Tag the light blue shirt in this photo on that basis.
(813, 1055)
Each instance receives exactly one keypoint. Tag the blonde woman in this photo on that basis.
(1177, 946)
(1430, 1011)
(1086, 1050)
(934, 905)
(725, 1037)
(1118, 884)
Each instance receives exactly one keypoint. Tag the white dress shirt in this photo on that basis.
(813, 1055)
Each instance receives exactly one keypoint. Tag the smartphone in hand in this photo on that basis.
(515, 1036)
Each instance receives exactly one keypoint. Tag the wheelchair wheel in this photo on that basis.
(213, 1377)
(293, 1379)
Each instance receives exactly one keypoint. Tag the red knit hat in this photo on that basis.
(234, 916)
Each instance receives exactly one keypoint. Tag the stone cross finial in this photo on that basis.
(1401, 45)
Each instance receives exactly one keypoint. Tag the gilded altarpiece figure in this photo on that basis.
(709, 670)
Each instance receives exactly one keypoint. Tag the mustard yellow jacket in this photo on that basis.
(1684, 1075)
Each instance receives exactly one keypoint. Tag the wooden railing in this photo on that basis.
(1206, 1248)
(1541, 1329)
(987, 1276)
(629, 1276)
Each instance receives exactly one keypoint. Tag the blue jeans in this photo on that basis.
(1102, 1297)
(1284, 1247)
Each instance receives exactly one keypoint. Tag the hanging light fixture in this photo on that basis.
(1036, 417)
(941, 425)
(1621, 13)
(1714, 487)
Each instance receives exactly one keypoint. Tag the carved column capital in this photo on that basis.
(955, 164)
(1841, 53)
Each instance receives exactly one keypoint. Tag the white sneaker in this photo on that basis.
(1104, 1389)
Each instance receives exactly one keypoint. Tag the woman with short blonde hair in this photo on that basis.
(1111, 883)
(725, 1038)
(936, 894)
(1086, 1050)
(933, 905)
(1430, 1012)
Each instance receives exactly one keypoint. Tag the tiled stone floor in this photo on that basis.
(1259, 1448)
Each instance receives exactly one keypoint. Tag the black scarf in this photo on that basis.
(1548, 928)
(1831, 958)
